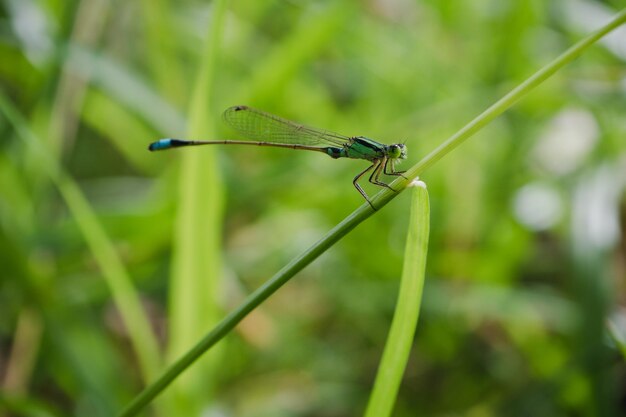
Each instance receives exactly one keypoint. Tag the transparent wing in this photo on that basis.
(257, 125)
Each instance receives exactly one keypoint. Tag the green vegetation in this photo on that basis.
(117, 261)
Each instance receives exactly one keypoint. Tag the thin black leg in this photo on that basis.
(376, 174)
(375, 165)
(393, 171)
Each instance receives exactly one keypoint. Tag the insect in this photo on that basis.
(265, 129)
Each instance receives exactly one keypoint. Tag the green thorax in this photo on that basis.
(361, 147)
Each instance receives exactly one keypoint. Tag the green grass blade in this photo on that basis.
(196, 270)
(399, 341)
(119, 281)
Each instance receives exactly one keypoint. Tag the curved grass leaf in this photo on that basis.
(400, 339)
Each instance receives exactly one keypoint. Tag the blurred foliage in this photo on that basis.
(527, 253)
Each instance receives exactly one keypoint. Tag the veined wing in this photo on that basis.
(260, 126)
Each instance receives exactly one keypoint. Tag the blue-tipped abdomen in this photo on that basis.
(161, 145)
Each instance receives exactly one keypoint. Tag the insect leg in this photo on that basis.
(393, 171)
(375, 165)
(379, 168)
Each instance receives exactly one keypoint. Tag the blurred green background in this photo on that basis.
(527, 260)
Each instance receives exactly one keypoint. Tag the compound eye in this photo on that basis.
(395, 151)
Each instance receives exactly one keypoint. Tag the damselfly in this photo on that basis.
(264, 129)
